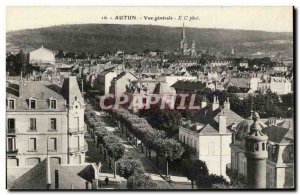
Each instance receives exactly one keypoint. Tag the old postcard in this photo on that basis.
(143, 98)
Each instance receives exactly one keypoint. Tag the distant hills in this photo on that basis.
(96, 38)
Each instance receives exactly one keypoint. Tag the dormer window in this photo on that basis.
(11, 104)
(53, 104)
(32, 103)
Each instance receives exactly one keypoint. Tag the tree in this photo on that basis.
(127, 167)
(70, 55)
(16, 63)
(232, 89)
(21, 61)
(60, 54)
(200, 172)
(166, 120)
(288, 100)
(83, 55)
(116, 151)
(140, 181)
(169, 149)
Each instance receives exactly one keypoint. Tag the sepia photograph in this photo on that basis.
(150, 98)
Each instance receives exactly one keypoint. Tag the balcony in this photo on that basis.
(79, 149)
(12, 152)
(75, 131)
(12, 131)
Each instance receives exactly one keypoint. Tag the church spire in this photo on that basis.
(183, 34)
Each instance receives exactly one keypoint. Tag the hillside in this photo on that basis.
(109, 37)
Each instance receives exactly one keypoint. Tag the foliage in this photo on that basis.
(60, 54)
(173, 149)
(93, 38)
(196, 170)
(267, 105)
(127, 167)
(199, 171)
(109, 139)
(166, 120)
(116, 150)
(16, 63)
(140, 181)
(189, 152)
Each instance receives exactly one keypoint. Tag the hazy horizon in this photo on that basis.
(60, 25)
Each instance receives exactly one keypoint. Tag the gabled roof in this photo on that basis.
(281, 133)
(210, 119)
(163, 88)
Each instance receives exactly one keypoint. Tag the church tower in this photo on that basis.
(183, 42)
(193, 49)
(256, 154)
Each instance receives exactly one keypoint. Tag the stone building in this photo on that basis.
(44, 120)
(279, 149)
(209, 132)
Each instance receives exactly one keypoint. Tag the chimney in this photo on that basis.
(222, 122)
(21, 85)
(203, 102)
(227, 104)
(272, 121)
(215, 104)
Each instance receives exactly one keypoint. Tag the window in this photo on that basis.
(11, 124)
(52, 144)
(53, 104)
(32, 124)
(256, 147)
(53, 123)
(32, 104)
(11, 104)
(11, 144)
(32, 144)
(263, 146)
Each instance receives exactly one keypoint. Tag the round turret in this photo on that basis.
(256, 154)
(255, 140)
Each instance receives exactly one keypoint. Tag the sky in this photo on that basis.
(273, 19)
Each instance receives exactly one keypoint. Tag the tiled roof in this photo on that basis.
(231, 116)
(211, 119)
(163, 88)
(189, 85)
(37, 89)
(41, 90)
(283, 132)
(280, 134)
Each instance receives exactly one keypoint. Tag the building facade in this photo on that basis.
(210, 134)
(44, 120)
